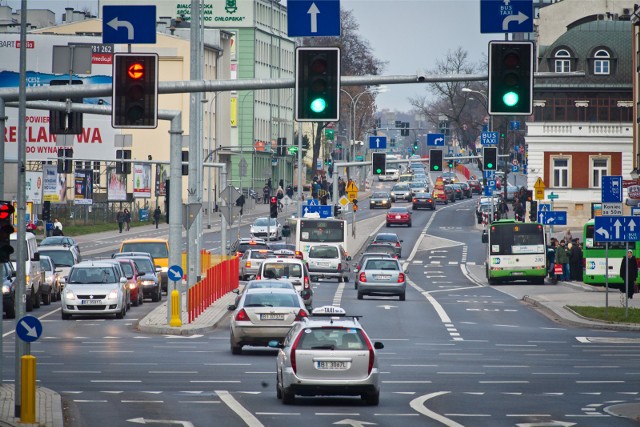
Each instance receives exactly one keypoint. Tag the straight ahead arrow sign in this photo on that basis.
(313, 14)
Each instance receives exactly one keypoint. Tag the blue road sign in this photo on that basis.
(377, 142)
(544, 207)
(490, 174)
(313, 202)
(29, 328)
(499, 16)
(491, 183)
(435, 139)
(308, 18)
(175, 273)
(514, 168)
(514, 125)
(129, 24)
(485, 127)
(616, 229)
(553, 218)
(488, 191)
(524, 169)
(489, 138)
(325, 211)
(612, 189)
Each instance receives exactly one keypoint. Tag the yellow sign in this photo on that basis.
(352, 188)
(233, 112)
(344, 201)
(352, 195)
(539, 193)
(539, 184)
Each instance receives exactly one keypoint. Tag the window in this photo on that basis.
(601, 65)
(563, 61)
(599, 168)
(560, 172)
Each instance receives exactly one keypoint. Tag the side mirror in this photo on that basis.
(231, 307)
(36, 257)
(485, 236)
(378, 345)
(123, 280)
(275, 344)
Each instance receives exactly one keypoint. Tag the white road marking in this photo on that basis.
(246, 416)
(418, 405)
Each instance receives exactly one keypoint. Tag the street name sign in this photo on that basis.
(317, 18)
(129, 24)
(612, 189)
(500, 16)
(553, 196)
(377, 142)
(616, 229)
(325, 211)
(29, 328)
(612, 209)
(435, 139)
(554, 218)
(489, 138)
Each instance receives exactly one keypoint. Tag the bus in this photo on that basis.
(515, 251)
(308, 231)
(594, 261)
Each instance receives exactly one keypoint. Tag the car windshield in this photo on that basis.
(398, 210)
(261, 254)
(62, 258)
(400, 187)
(417, 185)
(381, 264)
(282, 270)
(380, 195)
(54, 241)
(127, 268)
(45, 263)
(277, 246)
(273, 284)
(263, 222)
(386, 237)
(155, 249)
(323, 252)
(331, 338)
(422, 195)
(92, 275)
(271, 300)
(144, 265)
(243, 247)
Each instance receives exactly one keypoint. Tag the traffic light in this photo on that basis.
(135, 91)
(490, 158)
(511, 77)
(123, 167)
(273, 207)
(317, 84)
(46, 211)
(379, 163)
(185, 158)
(450, 164)
(65, 160)
(533, 211)
(435, 160)
(61, 122)
(336, 211)
(6, 228)
(415, 147)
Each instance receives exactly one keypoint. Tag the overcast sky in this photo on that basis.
(410, 35)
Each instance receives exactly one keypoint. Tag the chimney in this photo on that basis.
(68, 15)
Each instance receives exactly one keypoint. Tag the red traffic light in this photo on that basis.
(136, 70)
(274, 200)
(6, 210)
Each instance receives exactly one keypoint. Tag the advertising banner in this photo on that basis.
(34, 187)
(54, 185)
(141, 180)
(116, 186)
(83, 188)
(162, 174)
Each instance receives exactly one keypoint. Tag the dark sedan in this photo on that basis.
(398, 216)
(475, 185)
(457, 191)
(450, 193)
(423, 201)
(466, 190)
(380, 199)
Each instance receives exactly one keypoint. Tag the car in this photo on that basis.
(382, 276)
(95, 288)
(380, 199)
(252, 260)
(51, 287)
(485, 210)
(418, 187)
(292, 270)
(242, 244)
(363, 259)
(134, 280)
(457, 191)
(33, 271)
(266, 228)
(271, 284)
(476, 186)
(406, 177)
(8, 278)
(439, 193)
(466, 190)
(149, 275)
(450, 193)
(401, 192)
(389, 175)
(449, 177)
(61, 241)
(328, 261)
(263, 315)
(327, 353)
(423, 200)
(157, 248)
(420, 177)
(389, 239)
(512, 190)
(64, 257)
(398, 215)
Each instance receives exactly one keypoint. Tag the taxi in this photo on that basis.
(439, 194)
(327, 354)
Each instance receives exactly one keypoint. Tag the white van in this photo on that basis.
(33, 270)
(390, 175)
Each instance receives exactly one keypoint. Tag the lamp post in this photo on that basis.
(486, 104)
(215, 160)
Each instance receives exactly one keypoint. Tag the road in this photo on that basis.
(457, 352)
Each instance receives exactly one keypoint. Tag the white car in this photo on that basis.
(266, 228)
(390, 175)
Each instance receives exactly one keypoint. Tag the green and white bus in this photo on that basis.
(515, 251)
(594, 264)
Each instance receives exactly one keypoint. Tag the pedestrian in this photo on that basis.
(57, 224)
(575, 261)
(57, 232)
(266, 192)
(551, 258)
(280, 196)
(127, 218)
(504, 208)
(562, 257)
(156, 216)
(629, 273)
(290, 191)
(120, 219)
(281, 183)
(567, 236)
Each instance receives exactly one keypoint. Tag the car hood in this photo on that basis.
(149, 276)
(91, 289)
(262, 227)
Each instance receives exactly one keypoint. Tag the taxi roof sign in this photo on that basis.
(329, 310)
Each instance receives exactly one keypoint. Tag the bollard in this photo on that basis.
(28, 392)
(176, 320)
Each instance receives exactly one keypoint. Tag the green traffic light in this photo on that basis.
(510, 99)
(318, 105)
(436, 167)
(489, 165)
(379, 171)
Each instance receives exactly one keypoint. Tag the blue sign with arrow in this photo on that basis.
(553, 217)
(129, 24)
(500, 16)
(175, 273)
(612, 189)
(616, 229)
(29, 328)
(435, 139)
(377, 142)
(313, 18)
(313, 202)
(489, 138)
(325, 211)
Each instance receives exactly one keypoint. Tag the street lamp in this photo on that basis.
(486, 104)
(210, 152)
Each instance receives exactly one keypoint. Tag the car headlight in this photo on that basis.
(113, 294)
(6, 289)
(393, 193)
(384, 202)
(68, 294)
(148, 282)
(132, 285)
(48, 279)
(164, 269)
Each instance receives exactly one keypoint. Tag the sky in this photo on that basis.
(410, 35)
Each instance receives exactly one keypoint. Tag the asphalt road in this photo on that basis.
(457, 352)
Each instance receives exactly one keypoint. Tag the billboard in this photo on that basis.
(116, 186)
(83, 187)
(162, 174)
(141, 180)
(34, 187)
(54, 185)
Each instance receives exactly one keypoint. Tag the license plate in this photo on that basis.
(91, 302)
(517, 273)
(398, 217)
(332, 365)
(383, 277)
(324, 264)
(272, 316)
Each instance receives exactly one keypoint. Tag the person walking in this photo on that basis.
(266, 192)
(575, 261)
(567, 236)
(120, 219)
(57, 224)
(629, 273)
(127, 218)
(562, 257)
(156, 216)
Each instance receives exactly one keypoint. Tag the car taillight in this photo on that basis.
(242, 315)
(238, 253)
(400, 277)
(363, 277)
(301, 314)
(299, 255)
(397, 244)
(415, 200)
(294, 347)
(339, 268)
(248, 264)
(258, 277)
(306, 282)
(372, 354)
